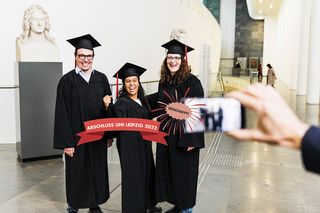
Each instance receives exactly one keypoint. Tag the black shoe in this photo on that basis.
(72, 210)
(96, 209)
(174, 209)
(155, 209)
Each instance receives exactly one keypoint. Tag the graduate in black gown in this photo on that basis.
(136, 158)
(83, 94)
(177, 164)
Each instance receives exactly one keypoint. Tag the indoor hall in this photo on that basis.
(233, 176)
(234, 41)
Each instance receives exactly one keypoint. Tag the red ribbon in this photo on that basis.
(186, 53)
(95, 129)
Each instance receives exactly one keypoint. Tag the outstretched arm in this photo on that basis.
(277, 124)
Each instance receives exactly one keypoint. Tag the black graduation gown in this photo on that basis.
(136, 158)
(177, 169)
(87, 183)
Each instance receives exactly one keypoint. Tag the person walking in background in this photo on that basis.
(237, 68)
(83, 94)
(271, 76)
(259, 73)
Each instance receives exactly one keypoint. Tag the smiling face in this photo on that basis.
(131, 85)
(173, 63)
(84, 59)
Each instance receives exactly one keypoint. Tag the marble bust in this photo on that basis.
(178, 34)
(35, 44)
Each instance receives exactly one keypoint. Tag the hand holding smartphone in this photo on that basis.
(214, 114)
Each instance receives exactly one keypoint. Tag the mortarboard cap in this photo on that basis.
(176, 47)
(85, 41)
(128, 70)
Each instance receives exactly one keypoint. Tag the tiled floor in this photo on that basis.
(234, 177)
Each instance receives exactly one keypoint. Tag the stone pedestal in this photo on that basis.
(36, 106)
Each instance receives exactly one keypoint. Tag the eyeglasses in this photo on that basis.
(82, 57)
(176, 58)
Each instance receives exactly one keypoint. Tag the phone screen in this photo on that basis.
(214, 114)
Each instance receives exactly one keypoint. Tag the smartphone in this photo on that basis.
(214, 114)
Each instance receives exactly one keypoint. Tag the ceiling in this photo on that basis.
(259, 9)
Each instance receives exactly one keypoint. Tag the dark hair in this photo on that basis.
(141, 94)
(181, 74)
(269, 65)
(76, 52)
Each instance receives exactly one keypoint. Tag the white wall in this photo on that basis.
(8, 124)
(128, 31)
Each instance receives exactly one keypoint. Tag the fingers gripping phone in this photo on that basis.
(214, 114)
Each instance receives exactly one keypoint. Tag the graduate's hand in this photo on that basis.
(277, 124)
(109, 142)
(190, 148)
(69, 151)
(107, 100)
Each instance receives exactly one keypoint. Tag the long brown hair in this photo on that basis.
(181, 74)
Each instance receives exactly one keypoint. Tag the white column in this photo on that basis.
(227, 24)
(294, 35)
(313, 85)
(312, 113)
(271, 47)
(275, 50)
(304, 47)
(286, 39)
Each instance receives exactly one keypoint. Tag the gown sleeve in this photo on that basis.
(153, 99)
(108, 89)
(108, 112)
(117, 110)
(193, 139)
(63, 133)
(310, 148)
(107, 92)
(153, 103)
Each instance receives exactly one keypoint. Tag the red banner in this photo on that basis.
(95, 129)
